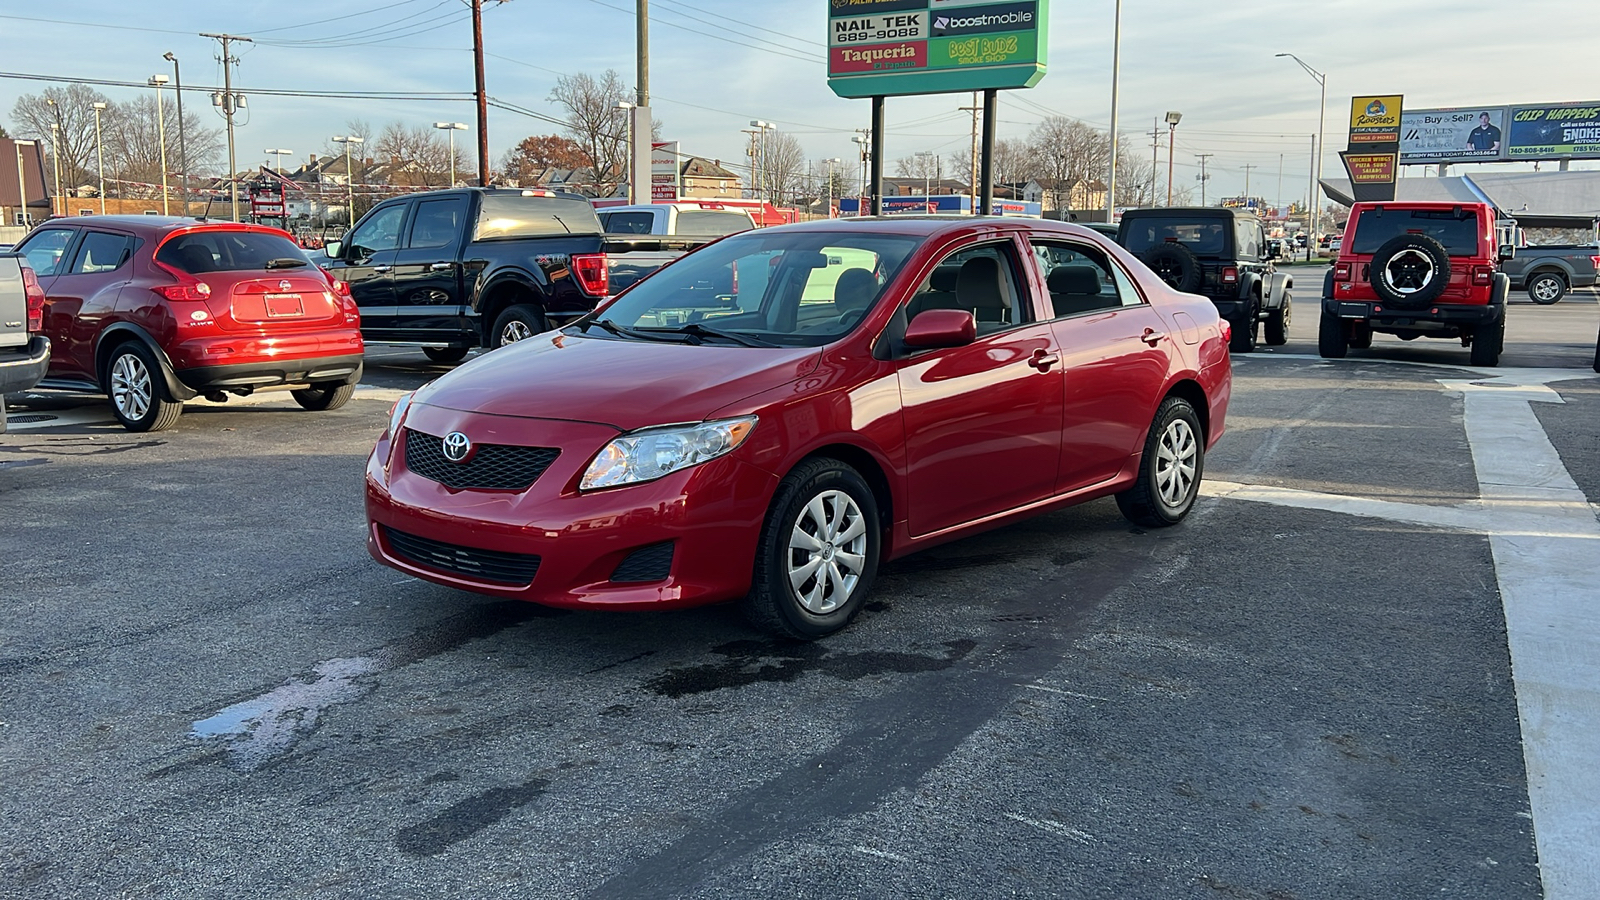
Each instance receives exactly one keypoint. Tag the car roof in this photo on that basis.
(1190, 211)
(935, 225)
(158, 225)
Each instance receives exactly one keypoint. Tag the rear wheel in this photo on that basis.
(1170, 469)
(138, 397)
(1360, 335)
(323, 397)
(1546, 288)
(517, 323)
(1277, 327)
(1332, 341)
(445, 354)
(1487, 343)
(1247, 330)
(1597, 353)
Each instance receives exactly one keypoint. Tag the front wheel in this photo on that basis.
(1546, 288)
(1277, 328)
(138, 398)
(818, 553)
(517, 323)
(1170, 469)
(323, 397)
(1333, 342)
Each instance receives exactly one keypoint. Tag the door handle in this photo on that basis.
(1043, 360)
(440, 267)
(383, 268)
(1151, 336)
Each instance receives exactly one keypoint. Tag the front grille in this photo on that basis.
(492, 467)
(483, 565)
(649, 563)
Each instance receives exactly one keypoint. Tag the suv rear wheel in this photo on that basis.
(1333, 342)
(1277, 327)
(1487, 343)
(138, 397)
(323, 397)
(1247, 329)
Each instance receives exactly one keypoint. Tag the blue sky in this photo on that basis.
(764, 59)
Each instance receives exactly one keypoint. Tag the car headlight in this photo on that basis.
(397, 414)
(655, 452)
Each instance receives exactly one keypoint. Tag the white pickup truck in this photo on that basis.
(24, 350)
(703, 219)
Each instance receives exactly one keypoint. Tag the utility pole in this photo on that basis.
(1277, 198)
(640, 149)
(183, 140)
(1116, 77)
(1247, 167)
(480, 93)
(755, 190)
(230, 103)
(1155, 157)
(974, 109)
(1203, 176)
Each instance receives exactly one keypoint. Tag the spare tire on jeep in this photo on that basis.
(1410, 271)
(1175, 264)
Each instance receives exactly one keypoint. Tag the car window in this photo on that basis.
(982, 280)
(1248, 241)
(225, 250)
(1206, 237)
(1079, 278)
(380, 232)
(712, 222)
(101, 251)
(438, 223)
(627, 222)
(792, 289)
(509, 214)
(45, 249)
(1457, 230)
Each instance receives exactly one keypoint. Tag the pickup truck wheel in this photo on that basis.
(517, 323)
(1332, 340)
(1487, 342)
(1546, 288)
(138, 398)
(1247, 330)
(1277, 327)
(1169, 470)
(818, 553)
(323, 397)
(445, 354)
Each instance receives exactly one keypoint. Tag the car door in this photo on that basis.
(366, 262)
(81, 299)
(47, 251)
(428, 294)
(982, 421)
(1115, 355)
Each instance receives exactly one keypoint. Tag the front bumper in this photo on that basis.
(551, 544)
(23, 370)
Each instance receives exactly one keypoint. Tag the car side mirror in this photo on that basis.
(941, 328)
(1507, 252)
(332, 249)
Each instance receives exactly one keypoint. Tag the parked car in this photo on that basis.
(1221, 254)
(893, 384)
(153, 311)
(1415, 269)
(705, 218)
(24, 350)
(484, 267)
(1548, 272)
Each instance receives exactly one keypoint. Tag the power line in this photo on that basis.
(788, 52)
(338, 18)
(267, 92)
(708, 12)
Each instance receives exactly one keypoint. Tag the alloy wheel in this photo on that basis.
(1546, 290)
(1408, 271)
(1175, 463)
(131, 387)
(827, 551)
(515, 330)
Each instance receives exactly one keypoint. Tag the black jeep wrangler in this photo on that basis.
(1221, 254)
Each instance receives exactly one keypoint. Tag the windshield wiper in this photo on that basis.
(618, 330)
(287, 262)
(701, 331)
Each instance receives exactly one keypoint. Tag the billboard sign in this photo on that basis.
(1452, 135)
(884, 48)
(1555, 131)
(664, 170)
(1374, 120)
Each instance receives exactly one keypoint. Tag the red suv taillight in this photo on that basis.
(35, 295)
(1483, 276)
(1341, 271)
(196, 290)
(1230, 275)
(593, 276)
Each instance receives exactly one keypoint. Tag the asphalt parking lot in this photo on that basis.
(207, 689)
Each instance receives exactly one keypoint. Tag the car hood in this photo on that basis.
(622, 383)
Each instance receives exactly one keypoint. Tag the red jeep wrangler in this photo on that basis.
(1417, 270)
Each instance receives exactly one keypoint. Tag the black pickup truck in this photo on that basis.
(482, 267)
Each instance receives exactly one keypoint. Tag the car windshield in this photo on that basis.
(1457, 230)
(223, 250)
(1206, 237)
(795, 289)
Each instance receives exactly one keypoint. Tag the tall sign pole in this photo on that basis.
(642, 163)
(1116, 76)
(481, 94)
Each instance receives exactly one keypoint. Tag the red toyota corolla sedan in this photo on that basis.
(770, 417)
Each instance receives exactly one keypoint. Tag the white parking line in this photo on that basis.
(99, 413)
(1057, 828)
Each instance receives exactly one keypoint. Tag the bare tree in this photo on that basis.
(784, 167)
(418, 156)
(919, 166)
(1012, 162)
(71, 109)
(1067, 153)
(536, 153)
(595, 123)
(1133, 176)
(131, 133)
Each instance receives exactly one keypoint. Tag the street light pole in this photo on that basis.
(628, 158)
(349, 178)
(1116, 76)
(1322, 118)
(451, 128)
(183, 141)
(156, 81)
(55, 163)
(830, 163)
(1173, 118)
(99, 154)
(764, 174)
(22, 181)
(926, 155)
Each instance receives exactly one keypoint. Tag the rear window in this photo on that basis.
(218, 250)
(712, 222)
(513, 215)
(1456, 230)
(1206, 237)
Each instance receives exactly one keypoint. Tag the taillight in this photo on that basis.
(1230, 275)
(1596, 261)
(593, 276)
(35, 295)
(1226, 328)
(340, 288)
(1341, 272)
(1483, 275)
(196, 290)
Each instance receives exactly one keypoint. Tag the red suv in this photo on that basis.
(153, 311)
(1417, 270)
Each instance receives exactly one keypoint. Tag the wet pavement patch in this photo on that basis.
(466, 818)
(752, 662)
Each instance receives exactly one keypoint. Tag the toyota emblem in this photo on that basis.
(456, 446)
(285, 284)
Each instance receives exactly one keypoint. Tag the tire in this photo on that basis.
(1170, 469)
(1175, 264)
(137, 390)
(1333, 342)
(1360, 335)
(445, 354)
(323, 397)
(1410, 271)
(1247, 331)
(1487, 343)
(517, 323)
(795, 590)
(1597, 353)
(1546, 288)
(1277, 326)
